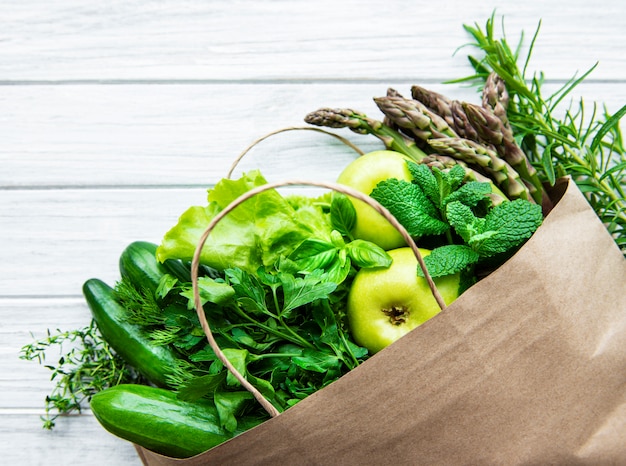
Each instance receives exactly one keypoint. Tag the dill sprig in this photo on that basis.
(559, 133)
(85, 366)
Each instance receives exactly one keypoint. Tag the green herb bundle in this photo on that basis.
(579, 140)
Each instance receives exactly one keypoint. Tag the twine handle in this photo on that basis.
(290, 128)
(267, 405)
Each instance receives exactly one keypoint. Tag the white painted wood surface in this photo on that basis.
(116, 116)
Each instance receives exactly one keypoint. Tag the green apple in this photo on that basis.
(385, 304)
(363, 174)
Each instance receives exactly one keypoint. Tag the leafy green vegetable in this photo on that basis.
(408, 203)
(437, 200)
(256, 233)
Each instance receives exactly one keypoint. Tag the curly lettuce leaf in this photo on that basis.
(256, 233)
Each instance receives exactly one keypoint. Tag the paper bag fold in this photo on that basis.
(526, 367)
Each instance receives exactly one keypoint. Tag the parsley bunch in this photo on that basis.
(283, 331)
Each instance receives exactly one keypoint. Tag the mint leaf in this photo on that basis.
(448, 260)
(342, 214)
(470, 194)
(508, 225)
(463, 220)
(367, 254)
(456, 175)
(408, 203)
(425, 179)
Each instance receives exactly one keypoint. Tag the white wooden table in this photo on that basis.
(116, 116)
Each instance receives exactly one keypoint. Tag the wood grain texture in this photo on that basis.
(286, 40)
(119, 135)
(116, 116)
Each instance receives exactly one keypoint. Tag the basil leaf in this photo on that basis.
(314, 254)
(342, 214)
(367, 254)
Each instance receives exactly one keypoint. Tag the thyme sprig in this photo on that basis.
(85, 366)
(559, 138)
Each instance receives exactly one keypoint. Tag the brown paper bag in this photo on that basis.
(526, 367)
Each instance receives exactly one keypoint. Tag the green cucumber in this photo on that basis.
(154, 362)
(138, 263)
(156, 419)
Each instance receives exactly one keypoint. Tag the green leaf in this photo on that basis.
(342, 214)
(612, 122)
(210, 291)
(339, 269)
(367, 254)
(510, 223)
(317, 361)
(470, 194)
(249, 291)
(548, 164)
(423, 176)
(448, 260)
(166, 284)
(300, 291)
(408, 203)
(200, 386)
(257, 232)
(463, 220)
(229, 405)
(314, 254)
(456, 175)
(238, 358)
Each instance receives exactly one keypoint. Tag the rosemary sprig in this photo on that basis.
(85, 366)
(558, 141)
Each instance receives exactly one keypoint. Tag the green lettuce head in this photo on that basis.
(256, 233)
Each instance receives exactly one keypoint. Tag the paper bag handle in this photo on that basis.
(195, 264)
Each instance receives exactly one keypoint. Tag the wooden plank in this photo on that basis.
(25, 384)
(60, 238)
(76, 440)
(277, 40)
(188, 135)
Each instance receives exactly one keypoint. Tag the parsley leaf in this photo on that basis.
(299, 291)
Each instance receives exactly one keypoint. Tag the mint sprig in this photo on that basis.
(439, 203)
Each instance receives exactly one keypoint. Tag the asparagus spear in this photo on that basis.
(498, 169)
(362, 124)
(414, 117)
(493, 131)
(450, 110)
(435, 102)
(496, 97)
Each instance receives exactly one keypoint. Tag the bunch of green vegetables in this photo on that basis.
(518, 137)
(277, 272)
